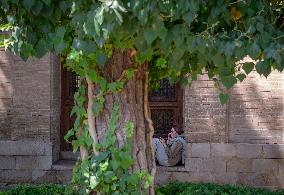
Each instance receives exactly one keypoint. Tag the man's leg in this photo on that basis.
(160, 152)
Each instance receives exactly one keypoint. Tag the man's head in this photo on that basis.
(175, 131)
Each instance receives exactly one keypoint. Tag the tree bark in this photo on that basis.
(91, 117)
(134, 108)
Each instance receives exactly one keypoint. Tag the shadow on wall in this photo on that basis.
(256, 110)
(256, 117)
(6, 93)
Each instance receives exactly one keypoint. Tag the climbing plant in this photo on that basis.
(109, 44)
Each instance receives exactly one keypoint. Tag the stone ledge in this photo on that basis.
(25, 148)
(63, 165)
(273, 151)
(69, 155)
(33, 162)
(171, 169)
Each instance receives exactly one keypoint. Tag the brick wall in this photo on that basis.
(254, 113)
(260, 165)
(29, 116)
(204, 116)
(25, 98)
(256, 110)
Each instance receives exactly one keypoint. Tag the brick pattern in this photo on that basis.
(228, 163)
(29, 116)
(256, 110)
(204, 116)
(25, 98)
(254, 113)
(55, 101)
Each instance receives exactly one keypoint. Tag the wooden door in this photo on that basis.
(69, 85)
(166, 108)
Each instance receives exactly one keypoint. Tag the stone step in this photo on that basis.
(62, 165)
(69, 155)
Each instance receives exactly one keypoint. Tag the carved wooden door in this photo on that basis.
(166, 108)
(69, 85)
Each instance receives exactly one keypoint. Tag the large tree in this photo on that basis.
(110, 44)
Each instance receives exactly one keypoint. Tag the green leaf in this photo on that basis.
(126, 159)
(102, 59)
(109, 175)
(40, 49)
(188, 17)
(133, 179)
(115, 86)
(118, 15)
(184, 82)
(47, 2)
(63, 5)
(97, 107)
(69, 134)
(94, 181)
(47, 10)
(263, 67)
(229, 81)
(60, 31)
(100, 15)
(28, 4)
(218, 60)
(248, 67)
(115, 164)
(129, 129)
(129, 73)
(149, 35)
(59, 47)
(254, 51)
(26, 51)
(241, 77)
(93, 75)
(224, 98)
(161, 62)
(37, 7)
(86, 46)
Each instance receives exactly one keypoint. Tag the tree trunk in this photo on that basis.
(134, 108)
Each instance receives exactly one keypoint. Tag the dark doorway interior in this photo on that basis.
(165, 104)
(69, 85)
(166, 108)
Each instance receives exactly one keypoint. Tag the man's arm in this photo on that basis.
(174, 149)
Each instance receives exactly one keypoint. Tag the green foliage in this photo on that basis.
(47, 189)
(181, 37)
(108, 173)
(223, 98)
(80, 124)
(211, 189)
(171, 188)
(4, 35)
(191, 36)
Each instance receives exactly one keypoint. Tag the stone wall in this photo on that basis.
(260, 165)
(254, 113)
(29, 116)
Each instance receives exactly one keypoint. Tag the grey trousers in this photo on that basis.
(160, 152)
